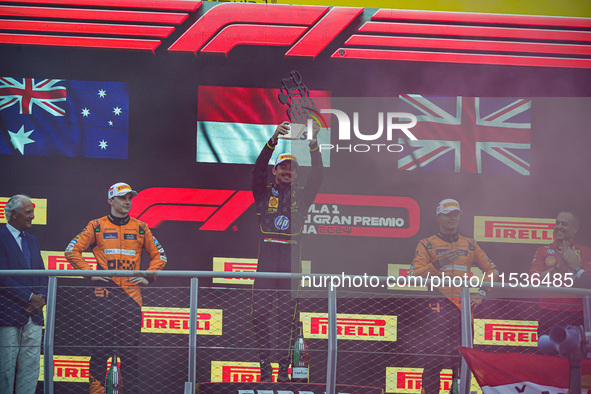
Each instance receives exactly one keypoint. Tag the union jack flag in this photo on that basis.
(468, 134)
(25, 92)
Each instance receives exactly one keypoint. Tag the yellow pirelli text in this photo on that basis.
(161, 320)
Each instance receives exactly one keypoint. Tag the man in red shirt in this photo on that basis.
(563, 259)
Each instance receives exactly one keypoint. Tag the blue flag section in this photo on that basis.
(60, 117)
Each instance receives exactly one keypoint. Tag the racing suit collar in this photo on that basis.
(118, 221)
(558, 246)
(282, 186)
(449, 237)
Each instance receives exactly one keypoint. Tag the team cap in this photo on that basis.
(284, 157)
(448, 205)
(120, 189)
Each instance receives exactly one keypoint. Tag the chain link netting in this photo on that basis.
(401, 343)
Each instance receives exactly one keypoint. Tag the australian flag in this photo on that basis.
(468, 134)
(59, 117)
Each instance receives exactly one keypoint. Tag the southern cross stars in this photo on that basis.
(20, 139)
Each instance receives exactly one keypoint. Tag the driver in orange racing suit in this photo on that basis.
(451, 254)
(117, 241)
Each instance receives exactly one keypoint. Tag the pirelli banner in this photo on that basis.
(505, 332)
(157, 320)
(351, 327)
(40, 205)
(410, 380)
(513, 230)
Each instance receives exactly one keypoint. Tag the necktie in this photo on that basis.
(26, 251)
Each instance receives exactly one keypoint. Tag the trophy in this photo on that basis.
(301, 107)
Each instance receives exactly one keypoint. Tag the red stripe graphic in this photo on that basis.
(468, 17)
(249, 105)
(475, 31)
(176, 5)
(96, 15)
(83, 42)
(92, 28)
(477, 45)
(466, 58)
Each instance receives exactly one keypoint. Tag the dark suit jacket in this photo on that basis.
(15, 291)
(584, 281)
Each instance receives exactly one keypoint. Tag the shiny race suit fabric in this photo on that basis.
(281, 210)
(115, 307)
(441, 317)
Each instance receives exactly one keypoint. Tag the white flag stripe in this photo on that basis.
(241, 143)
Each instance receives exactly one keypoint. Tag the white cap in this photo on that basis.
(448, 205)
(120, 189)
(285, 157)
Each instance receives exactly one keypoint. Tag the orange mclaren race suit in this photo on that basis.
(115, 307)
(282, 210)
(442, 316)
(555, 310)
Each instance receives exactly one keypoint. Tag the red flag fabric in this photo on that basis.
(520, 372)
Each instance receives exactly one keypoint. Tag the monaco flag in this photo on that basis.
(522, 372)
(234, 123)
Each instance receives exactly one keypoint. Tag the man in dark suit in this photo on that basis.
(21, 300)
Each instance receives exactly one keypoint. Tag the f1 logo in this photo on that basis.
(230, 24)
(217, 208)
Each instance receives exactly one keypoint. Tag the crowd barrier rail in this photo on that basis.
(347, 302)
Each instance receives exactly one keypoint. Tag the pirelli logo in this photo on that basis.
(234, 264)
(239, 371)
(513, 230)
(159, 320)
(40, 205)
(238, 264)
(351, 327)
(409, 380)
(56, 260)
(68, 368)
(505, 332)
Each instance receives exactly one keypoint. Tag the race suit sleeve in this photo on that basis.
(485, 263)
(259, 174)
(315, 178)
(422, 264)
(79, 244)
(538, 265)
(155, 250)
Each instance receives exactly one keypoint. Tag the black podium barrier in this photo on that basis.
(280, 388)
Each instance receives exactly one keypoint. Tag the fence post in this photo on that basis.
(192, 338)
(587, 317)
(465, 373)
(48, 341)
(331, 365)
